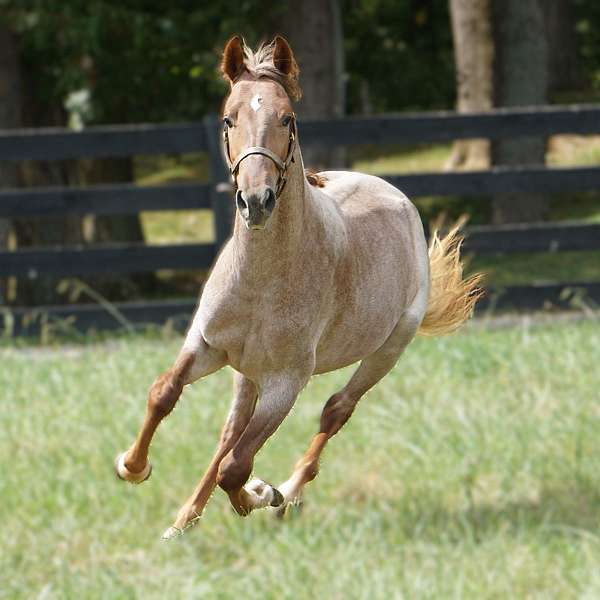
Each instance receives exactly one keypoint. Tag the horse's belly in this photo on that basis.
(334, 354)
(358, 333)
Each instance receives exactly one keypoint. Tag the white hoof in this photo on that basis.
(171, 532)
(263, 494)
(174, 531)
(124, 473)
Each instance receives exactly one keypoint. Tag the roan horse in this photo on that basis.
(321, 271)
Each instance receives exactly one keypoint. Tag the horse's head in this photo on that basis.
(259, 124)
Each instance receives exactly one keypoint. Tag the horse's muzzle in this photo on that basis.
(255, 209)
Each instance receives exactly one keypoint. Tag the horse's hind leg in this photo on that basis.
(192, 363)
(340, 406)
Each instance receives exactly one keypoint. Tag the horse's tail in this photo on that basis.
(451, 298)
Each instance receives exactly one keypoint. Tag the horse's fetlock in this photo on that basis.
(310, 470)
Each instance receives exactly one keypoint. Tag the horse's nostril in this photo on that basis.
(269, 200)
(240, 202)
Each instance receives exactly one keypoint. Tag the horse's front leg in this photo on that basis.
(277, 396)
(242, 407)
(194, 361)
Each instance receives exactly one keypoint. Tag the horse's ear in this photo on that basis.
(284, 61)
(283, 57)
(232, 63)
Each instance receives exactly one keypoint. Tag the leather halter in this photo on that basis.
(282, 165)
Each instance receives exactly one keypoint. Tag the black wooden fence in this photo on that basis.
(115, 141)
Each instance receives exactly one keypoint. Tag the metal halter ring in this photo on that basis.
(282, 165)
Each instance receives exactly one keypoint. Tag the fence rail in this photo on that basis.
(82, 317)
(60, 144)
(114, 258)
(103, 200)
(442, 126)
(498, 180)
(101, 142)
(128, 258)
(533, 237)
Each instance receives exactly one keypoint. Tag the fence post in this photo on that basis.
(221, 200)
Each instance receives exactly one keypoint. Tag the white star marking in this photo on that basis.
(256, 102)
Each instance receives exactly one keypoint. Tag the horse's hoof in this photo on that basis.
(126, 475)
(174, 531)
(171, 532)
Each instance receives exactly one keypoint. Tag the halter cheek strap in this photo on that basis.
(282, 165)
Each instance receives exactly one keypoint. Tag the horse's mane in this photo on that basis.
(259, 63)
(315, 179)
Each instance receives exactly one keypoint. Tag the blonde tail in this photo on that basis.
(451, 298)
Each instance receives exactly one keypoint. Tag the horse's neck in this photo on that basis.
(260, 253)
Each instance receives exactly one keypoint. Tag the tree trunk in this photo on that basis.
(115, 228)
(10, 106)
(118, 229)
(44, 231)
(473, 57)
(314, 30)
(563, 71)
(520, 79)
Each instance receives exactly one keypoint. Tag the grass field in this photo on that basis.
(471, 471)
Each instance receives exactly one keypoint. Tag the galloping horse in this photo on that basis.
(321, 271)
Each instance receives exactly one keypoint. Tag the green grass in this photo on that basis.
(191, 226)
(538, 267)
(563, 151)
(170, 226)
(471, 471)
(396, 160)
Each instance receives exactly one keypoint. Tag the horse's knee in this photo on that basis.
(167, 388)
(233, 473)
(163, 394)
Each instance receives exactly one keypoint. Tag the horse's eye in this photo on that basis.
(228, 121)
(286, 120)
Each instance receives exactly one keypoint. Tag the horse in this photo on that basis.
(321, 271)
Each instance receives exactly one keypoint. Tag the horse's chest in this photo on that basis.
(257, 333)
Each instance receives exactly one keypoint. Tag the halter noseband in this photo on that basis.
(282, 165)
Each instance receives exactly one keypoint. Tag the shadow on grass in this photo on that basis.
(569, 510)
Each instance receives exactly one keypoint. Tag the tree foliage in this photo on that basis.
(587, 15)
(147, 60)
(403, 49)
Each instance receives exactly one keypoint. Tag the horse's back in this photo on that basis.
(345, 187)
(381, 222)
